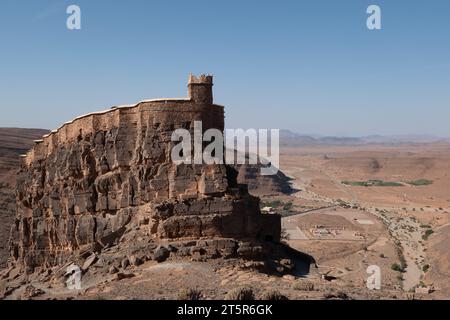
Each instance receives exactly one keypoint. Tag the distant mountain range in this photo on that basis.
(289, 138)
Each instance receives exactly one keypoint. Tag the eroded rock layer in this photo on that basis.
(84, 183)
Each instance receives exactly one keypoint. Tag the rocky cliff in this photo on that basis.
(13, 143)
(263, 185)
(101, 175)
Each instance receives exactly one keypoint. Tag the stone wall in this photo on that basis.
(163, 115)
(97, 174)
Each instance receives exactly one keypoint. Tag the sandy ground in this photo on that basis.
(213, 279)
(403, 213)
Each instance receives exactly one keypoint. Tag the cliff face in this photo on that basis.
(13, 142)
(84, 184)
(260, 185)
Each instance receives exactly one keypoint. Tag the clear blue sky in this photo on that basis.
(311, 66)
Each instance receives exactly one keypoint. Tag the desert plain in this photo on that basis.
(384, 205)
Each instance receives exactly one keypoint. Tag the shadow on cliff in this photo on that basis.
(250, 174)
(303, 264)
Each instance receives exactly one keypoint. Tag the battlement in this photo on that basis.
(200, 89)
(173, 112)
(202, 79)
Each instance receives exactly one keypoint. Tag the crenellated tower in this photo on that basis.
(200, 89)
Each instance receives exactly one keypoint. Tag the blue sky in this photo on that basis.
(311, 66)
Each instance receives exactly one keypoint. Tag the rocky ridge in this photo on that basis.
(98, 179)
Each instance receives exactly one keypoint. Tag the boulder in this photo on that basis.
(125, 263)
(135, 261)
(161, 254)
(89, 262)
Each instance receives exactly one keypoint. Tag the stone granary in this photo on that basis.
(86, 184)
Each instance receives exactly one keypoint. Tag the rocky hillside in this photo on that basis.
(13, 143)
(17, 141)
(104, 189)
(101, 174)
(438, 256)
(261, 185)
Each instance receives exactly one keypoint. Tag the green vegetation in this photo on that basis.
(189, 294)
(272, 204)
(343, 204)
(331, 294)
(426, 268)
(403, 264)
(273, 296)
(398, 267)
(303, 286)
(240, 294)
(282, 207)
(427, 234)
(288, 206)
(381, 183)
(372, 183)
(420, 182)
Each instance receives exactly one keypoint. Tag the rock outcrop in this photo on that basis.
(13, 143)
(84, 185)
(263, 185)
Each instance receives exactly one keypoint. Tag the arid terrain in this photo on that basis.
(348, 207)
(392, 204)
